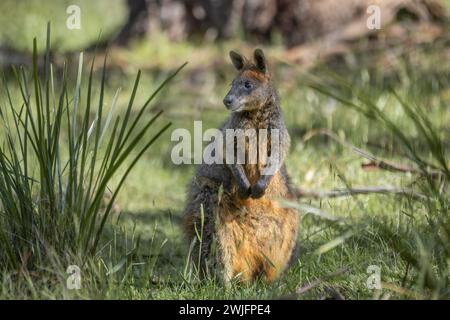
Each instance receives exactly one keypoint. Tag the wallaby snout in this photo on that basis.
(228, 101)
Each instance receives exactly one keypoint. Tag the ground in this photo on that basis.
(336, 252)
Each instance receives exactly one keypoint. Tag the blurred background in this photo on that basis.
(306, 30)
(300, 37)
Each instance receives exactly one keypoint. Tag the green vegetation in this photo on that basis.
(401, 118)
(22, 21)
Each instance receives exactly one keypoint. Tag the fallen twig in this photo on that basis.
(389, 166)
(375, 162)
(333, 294)
(318, 194)
(319, 281)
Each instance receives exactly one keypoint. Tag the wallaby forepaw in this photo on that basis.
(244, 193)
(258, 190)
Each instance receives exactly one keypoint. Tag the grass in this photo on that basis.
(31, 17)
(56, 164)
(142, 252)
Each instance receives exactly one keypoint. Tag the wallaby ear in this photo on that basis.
(260, 60)
(237, 60)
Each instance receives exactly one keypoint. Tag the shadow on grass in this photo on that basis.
(160, 238)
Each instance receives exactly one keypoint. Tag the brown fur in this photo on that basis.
(254, 74)
(256, 236)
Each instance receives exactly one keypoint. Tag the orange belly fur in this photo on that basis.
(256, 237)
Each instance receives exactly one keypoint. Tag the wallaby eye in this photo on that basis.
(247, 85)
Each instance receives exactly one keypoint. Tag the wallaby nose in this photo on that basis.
(227, 101)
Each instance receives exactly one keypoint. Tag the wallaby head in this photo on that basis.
(252, 88)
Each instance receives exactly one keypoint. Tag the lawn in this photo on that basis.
(143, 252)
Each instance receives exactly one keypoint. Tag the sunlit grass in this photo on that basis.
(146, 246)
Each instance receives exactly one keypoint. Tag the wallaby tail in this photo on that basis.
(199, 224)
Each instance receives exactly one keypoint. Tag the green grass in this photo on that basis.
(27, 19)
(142, 252)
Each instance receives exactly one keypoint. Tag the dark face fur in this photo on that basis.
(251, 89)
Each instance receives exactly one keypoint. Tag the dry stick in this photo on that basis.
(374, 163)
(385, 165)
(325, 278)
(381, 164)
(357, 191)
(334, 294)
